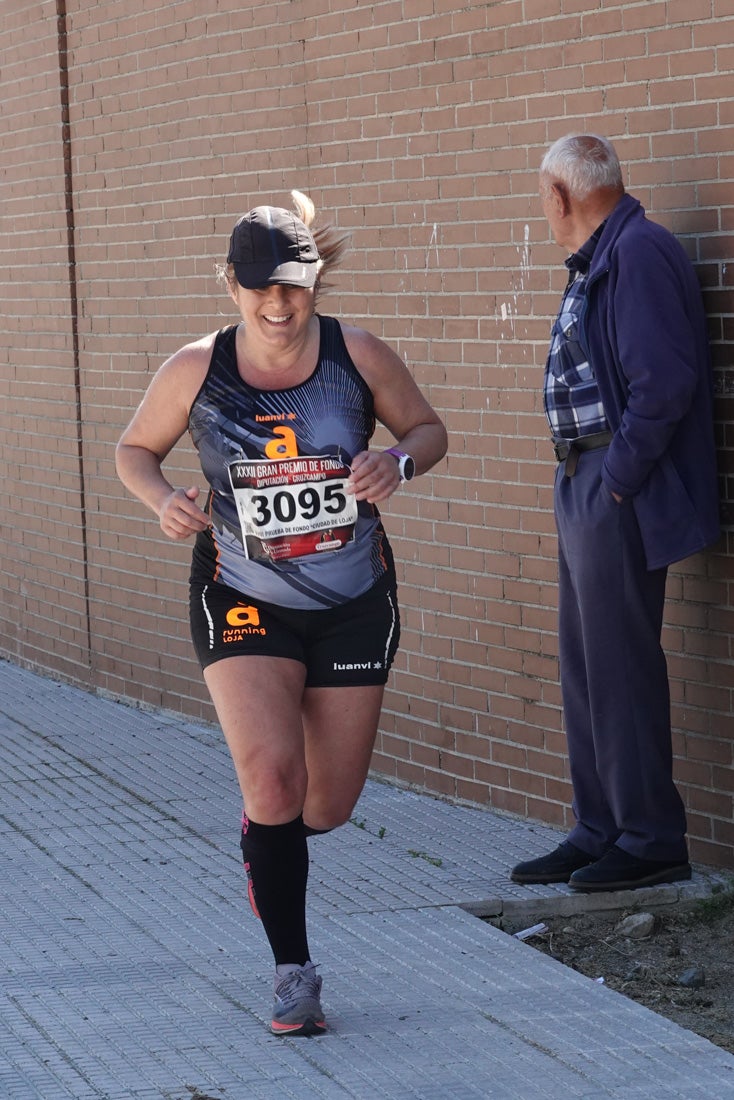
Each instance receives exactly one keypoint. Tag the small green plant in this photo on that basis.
(709, 910)
(424, 855)
(360, 823)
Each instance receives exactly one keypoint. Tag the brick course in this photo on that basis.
(133, 139)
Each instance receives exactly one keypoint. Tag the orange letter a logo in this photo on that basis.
(243, 616)
(285, 447)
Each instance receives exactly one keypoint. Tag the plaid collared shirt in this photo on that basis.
(572, 402)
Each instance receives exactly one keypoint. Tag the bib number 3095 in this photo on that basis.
(293, 507)
(313, 504)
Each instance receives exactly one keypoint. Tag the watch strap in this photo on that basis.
(403, 459)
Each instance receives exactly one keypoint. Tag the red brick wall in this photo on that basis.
(419, 126)
(43, 607)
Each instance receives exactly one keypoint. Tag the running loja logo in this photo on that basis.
(242, 619)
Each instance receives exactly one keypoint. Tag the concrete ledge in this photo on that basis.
(683, 895)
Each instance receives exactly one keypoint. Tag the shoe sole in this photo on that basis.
(658, 879)
(306, 1027)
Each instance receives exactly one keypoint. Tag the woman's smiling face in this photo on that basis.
(278, 311)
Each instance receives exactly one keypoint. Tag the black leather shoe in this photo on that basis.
(557, 866)
(618, 870)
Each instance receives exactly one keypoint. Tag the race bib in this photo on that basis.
(293, 507)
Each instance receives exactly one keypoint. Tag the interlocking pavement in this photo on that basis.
(132, 968)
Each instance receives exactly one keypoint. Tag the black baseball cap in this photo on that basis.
(271, 245)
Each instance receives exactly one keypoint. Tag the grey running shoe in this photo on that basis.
(297, 1009)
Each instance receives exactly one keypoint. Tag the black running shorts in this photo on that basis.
(348, 645)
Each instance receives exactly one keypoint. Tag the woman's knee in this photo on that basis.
(272, 792)
(323, 815)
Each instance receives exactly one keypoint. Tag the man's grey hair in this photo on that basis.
(584, 163)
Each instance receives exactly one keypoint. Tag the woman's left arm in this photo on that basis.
(402, 408)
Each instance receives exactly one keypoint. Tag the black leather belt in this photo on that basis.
(571, 448)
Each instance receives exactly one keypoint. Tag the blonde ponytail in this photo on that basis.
(330, 242)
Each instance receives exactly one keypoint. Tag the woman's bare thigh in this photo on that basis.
(258, 702)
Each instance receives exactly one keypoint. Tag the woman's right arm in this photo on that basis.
(159, 422)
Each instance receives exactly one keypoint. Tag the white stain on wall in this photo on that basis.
(432, 245)
(509, 309)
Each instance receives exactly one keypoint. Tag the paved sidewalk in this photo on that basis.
(133, 969)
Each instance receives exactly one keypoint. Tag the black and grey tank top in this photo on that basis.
(283, 527)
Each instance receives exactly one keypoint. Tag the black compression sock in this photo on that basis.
(277, 858)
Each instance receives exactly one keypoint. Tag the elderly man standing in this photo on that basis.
(628, 397)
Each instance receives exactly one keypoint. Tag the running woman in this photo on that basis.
(293, 598)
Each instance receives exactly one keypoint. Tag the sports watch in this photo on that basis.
(406, 465)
